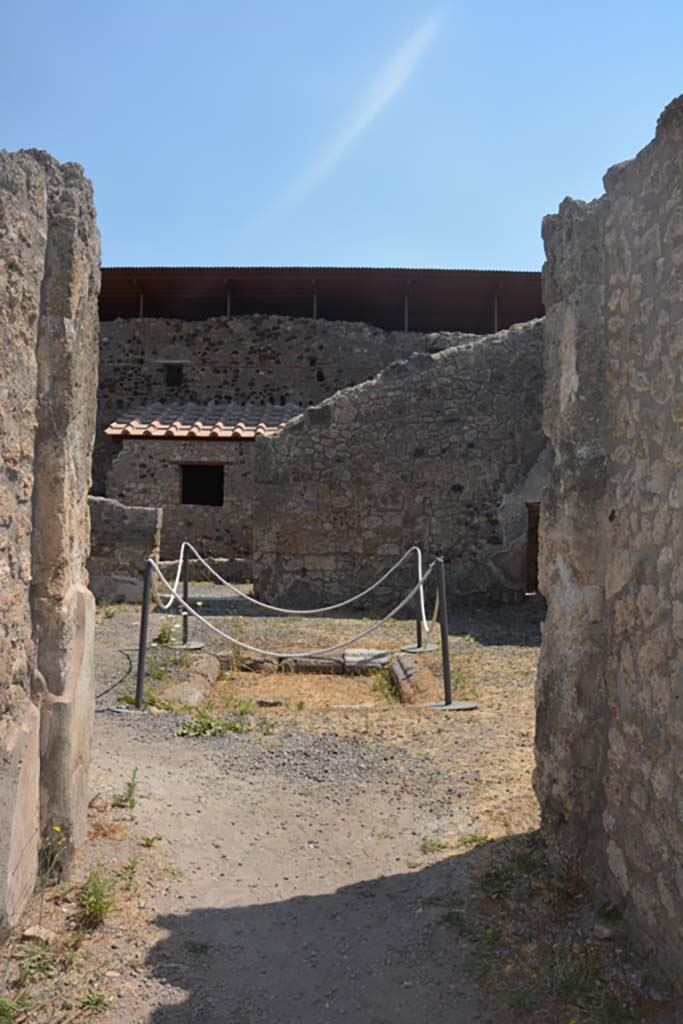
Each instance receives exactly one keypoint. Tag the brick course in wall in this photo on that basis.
(443, 450)
(610, 685)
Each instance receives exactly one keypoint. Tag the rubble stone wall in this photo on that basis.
(610, 684)
(249, 359)
(49, 282)
(150, 471)
(122, 539)
(443, 450)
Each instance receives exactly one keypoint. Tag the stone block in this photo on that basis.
(19, 809)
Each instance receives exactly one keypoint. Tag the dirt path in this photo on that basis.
(331, 856)
(300, 871)
(305, 890)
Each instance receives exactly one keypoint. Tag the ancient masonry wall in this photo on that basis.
(149, 472)
(610, 684)
(254, 359)
(122, 539)
(443, 450)
(49, 282)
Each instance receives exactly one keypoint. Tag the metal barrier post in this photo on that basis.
(186, 595)
(443, 622)
(418, 609)
(144, 622)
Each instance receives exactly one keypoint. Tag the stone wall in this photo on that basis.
(610, 688)
(443, 450)
(249, 359)
(122, 539)
(149, 472)
(49, 281)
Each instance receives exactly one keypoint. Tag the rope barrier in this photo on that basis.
(288, 654)
(298, 611)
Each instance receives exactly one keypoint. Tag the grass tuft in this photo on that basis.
(96, 898)
(127, 797)
(433, 845)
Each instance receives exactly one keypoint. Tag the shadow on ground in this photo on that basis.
(376, 952)
(515, 624)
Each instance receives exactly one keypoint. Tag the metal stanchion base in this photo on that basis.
(455, 705)
(414, 649)
(191, 645)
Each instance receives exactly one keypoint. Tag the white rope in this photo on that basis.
(291, 654)
(174, 588)
(301, 611)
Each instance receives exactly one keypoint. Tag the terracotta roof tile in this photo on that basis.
(215, 421)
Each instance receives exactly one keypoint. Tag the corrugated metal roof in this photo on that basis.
(388, 297)
(190, 421)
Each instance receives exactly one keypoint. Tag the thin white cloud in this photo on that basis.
(381, 91)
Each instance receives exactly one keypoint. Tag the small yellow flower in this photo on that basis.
(56, 828)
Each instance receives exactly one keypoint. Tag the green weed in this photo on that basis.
(165, 634)
(127, 798)
(473, 839)
(573, 978)
(496, 884)
(38, 964)
(128, 874)
(383, 684)
(96, 898)
(93, 1002)
(51, 855)
(433, 845)
(10, 1010)
(484, 952)
(205, 724)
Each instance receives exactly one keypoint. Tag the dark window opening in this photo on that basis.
(533, 513)
(202, 485)
(174, 375)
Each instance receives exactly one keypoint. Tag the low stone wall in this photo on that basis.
(49, 281)
(609, 725)
(442, 450)
(122, 537)
(234, 570)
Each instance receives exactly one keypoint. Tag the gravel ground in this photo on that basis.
(296, 872)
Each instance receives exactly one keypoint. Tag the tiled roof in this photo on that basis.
(215, 421)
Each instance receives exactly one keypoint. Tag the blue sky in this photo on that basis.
(376, 133)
